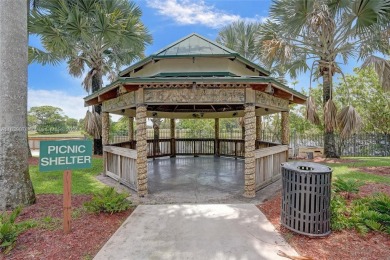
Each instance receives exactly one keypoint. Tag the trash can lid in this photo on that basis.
(306, 167)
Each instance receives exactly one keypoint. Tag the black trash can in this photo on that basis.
(306, 198)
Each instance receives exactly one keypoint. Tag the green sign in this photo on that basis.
(65, 155)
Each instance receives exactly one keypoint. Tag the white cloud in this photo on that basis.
(187, 12)
(73, 106)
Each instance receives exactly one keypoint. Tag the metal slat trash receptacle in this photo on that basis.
(306, 198)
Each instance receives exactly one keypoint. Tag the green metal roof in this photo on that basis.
(226, 79)
(194, 45)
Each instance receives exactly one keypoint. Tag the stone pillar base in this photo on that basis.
(142, 160)
(250, 137)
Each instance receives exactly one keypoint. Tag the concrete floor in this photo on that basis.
(232, 231)
(189, 179)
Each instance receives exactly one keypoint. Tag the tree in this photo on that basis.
(321, 33)
(15, 184)
(364, 91)
(240, 36)
(102, 35)
(50, 120)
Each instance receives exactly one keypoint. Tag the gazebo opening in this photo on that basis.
(195, 78)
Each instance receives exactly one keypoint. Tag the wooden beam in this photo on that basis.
(130, 88)
(91, 102)
(108, 95)
(259, 87)
(282, 94)
(298, 100)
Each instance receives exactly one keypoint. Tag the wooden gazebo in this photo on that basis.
(195, 78)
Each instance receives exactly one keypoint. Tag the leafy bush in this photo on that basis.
(339, 213)
(348, 186)
(370, 213)
(9, 230)
(109, 201)
(52, 128)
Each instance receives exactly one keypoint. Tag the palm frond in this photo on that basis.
(330, 115)
(348, 121)
(42, 57)
(382, 68)
(311, 111)
(93, 124)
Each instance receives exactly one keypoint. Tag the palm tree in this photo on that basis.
(15, 184)
(320, 34)
(240, 36)
(101, 35)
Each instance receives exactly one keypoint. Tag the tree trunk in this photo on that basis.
(15, 184)
(97, 83)
(329, 136)
(156, 134)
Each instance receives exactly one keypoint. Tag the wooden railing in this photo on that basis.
(204, 146)
(262, 144)
(231, 147)
(267, 163)
(120, 164)
(159, 147)
(195, 146)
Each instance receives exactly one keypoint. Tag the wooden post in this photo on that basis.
(131, 128)
(173, 141)
(216, 129)
(67, 201)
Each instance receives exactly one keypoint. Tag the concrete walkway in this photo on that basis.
(209, 231)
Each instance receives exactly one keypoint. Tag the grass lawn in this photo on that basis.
(350, 170)
(83, 181)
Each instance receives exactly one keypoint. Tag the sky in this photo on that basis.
(167, 21)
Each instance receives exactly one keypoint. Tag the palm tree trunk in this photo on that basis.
(97, 82)
(156, 134)
(15, 184)
(329, 136)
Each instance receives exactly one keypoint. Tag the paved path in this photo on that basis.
(208, 231)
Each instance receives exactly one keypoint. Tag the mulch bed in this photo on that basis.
(379, 170)
(347, 244)
(89, 231)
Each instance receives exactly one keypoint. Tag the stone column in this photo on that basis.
(285, 128)
(105, 128)
(142, 169)
(173, 141)
(250, 137)
(130, 128)
(258, 128)
(216, 129)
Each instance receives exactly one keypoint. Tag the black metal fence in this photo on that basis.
(357, 145)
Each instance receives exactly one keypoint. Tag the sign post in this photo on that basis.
(65, 155)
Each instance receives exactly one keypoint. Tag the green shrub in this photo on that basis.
(373, 212)
(369, 213)
(109, 201)
(339, 213)
(9, 230)
(52, 128)
(348, 186)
